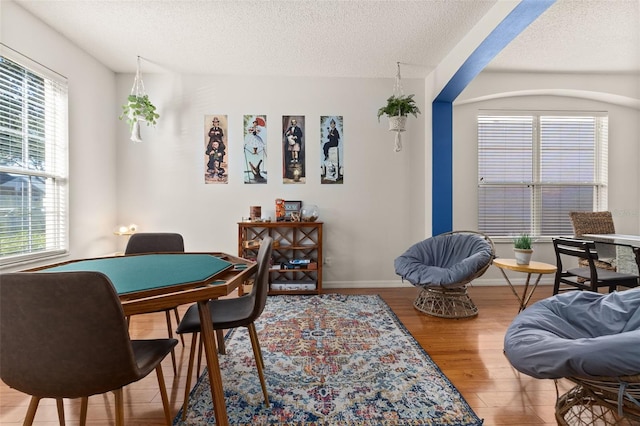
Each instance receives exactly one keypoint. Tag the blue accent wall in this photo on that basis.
(442, 109)
(442, 130)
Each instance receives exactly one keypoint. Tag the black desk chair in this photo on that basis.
(159, 242)
(64, 335)
(231, 313)
(585, 278)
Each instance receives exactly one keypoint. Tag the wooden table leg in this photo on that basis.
(211, 354)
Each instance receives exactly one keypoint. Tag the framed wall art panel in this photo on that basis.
(293, 149)
(255, 149)
(215, 152)
(332, 149)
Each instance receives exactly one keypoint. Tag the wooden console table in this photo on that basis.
(299, 241)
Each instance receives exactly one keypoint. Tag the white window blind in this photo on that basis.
(33, 160)
(534, 168)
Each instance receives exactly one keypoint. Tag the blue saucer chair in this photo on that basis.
(441, 267)
(591, 339)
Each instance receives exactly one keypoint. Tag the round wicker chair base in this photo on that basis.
(586, 406)
(445, 302)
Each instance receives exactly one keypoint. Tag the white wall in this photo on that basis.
(368, 221)
(92, 132)
(371, 219)
(619, 95)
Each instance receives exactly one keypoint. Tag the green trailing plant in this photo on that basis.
(139, 108)
(522, 242)
(399, 106)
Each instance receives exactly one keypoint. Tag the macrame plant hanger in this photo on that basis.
(137, 90)
(398, 92)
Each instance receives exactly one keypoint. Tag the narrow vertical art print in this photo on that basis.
(293, 149)
(215, 152)
(332, 149)
(255, 148)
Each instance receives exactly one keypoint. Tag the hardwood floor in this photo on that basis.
(468, 351)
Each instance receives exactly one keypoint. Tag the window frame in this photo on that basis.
(599, 183)
(52, 173)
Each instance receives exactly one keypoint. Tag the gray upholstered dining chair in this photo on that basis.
(64, 335)
(232, 313)
(159, 242)
(154, 242)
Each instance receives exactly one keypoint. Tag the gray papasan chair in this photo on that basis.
(592, 339)
(442, 266)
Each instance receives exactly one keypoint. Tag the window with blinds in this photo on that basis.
(534, 168)
(33, 160)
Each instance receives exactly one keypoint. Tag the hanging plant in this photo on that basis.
(139, 108)
(399, 106)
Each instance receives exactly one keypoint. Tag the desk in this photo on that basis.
(616, 239)
(624, 258)
(152, 282)
(533, 267)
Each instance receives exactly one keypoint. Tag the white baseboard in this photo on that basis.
(392, 284)
(364, 284)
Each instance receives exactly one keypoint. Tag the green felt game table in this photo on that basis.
(158, 281)
(132, 274)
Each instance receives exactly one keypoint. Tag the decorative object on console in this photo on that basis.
(398, 107)
(280, 211)
(138, 107)
(255, 212)
(309, 213)
(292, 209)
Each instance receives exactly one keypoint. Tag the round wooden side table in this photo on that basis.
(533, 267)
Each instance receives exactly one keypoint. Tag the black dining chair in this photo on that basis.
(232, 313)
(159, 242)
(585, 278)
(64, 335)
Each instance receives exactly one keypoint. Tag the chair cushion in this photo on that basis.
(603, 274)
(579, 333)
(445, 259)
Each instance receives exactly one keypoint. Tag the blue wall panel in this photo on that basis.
(442, 113)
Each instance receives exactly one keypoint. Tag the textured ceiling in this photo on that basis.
(348, 38)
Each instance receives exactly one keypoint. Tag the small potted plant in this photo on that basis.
(522, 249)
(397, 109)
(139, 108)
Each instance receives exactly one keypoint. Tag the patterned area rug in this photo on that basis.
(331, 360)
